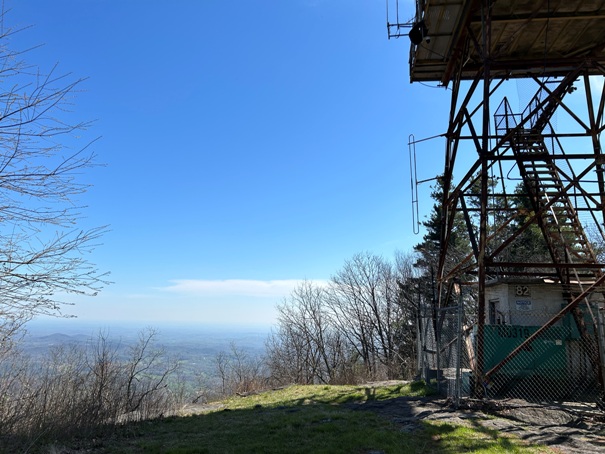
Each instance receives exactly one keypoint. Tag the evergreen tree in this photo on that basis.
(529, 245)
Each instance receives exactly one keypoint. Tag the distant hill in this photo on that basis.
(195, 346)
(59, 338)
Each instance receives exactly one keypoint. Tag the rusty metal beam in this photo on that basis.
(545, 17)
(596, 266)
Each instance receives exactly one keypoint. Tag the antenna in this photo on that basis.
(397, 29)
(413, 184)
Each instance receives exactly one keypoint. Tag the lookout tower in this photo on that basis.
(532, 169)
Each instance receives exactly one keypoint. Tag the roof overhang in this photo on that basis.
(522, 38)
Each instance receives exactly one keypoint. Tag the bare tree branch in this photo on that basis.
(42, 251)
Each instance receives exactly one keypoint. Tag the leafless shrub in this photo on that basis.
(78, 390)
(205, 390)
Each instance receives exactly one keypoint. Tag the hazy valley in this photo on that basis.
(194, 346)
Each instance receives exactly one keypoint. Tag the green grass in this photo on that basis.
(303, 419)
(323, 394)
(449, 438)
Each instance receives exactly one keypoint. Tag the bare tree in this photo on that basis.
(306, 348)
(285, 356)
(409, 302)
(362, 326)
(221, 362)
(238, 372)
(365, 305)
(42, 251)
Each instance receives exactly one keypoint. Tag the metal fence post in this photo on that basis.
(458, 350)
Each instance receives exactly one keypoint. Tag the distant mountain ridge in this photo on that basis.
(61, 338)
(195, 346)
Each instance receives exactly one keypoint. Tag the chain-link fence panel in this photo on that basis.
(537, 360)
(530, 355)
(444, 350)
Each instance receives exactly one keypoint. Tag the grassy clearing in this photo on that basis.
(324, 394)
(303, 419)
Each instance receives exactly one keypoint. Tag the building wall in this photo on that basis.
(522, 304)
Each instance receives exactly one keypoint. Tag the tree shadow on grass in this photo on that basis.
(321, 428)
(449, 438)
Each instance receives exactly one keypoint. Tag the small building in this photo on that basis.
(557, 363)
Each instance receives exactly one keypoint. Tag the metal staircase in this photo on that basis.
(569, 247)
(556, 215)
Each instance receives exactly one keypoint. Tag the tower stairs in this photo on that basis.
(567, 242)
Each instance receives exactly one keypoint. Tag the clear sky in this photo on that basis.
(248, 144)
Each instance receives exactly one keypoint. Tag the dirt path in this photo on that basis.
(564, 429)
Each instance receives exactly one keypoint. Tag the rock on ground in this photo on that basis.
(565, 428)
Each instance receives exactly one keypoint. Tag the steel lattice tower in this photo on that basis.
(550, 147)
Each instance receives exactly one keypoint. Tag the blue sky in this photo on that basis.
(247, 145)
